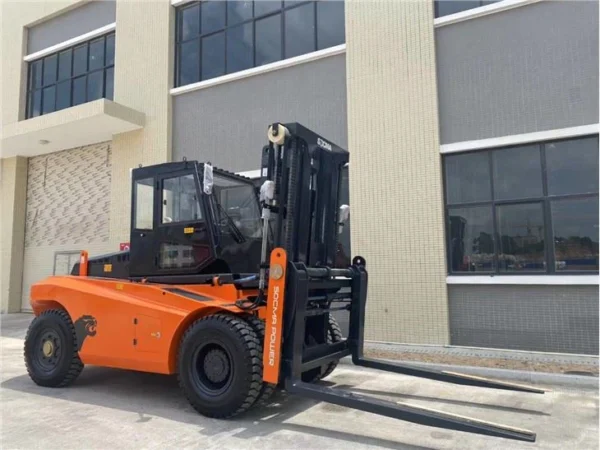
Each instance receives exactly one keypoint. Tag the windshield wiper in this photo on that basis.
(237, 234)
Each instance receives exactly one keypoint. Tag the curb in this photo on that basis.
(479, 352)
(557, 379)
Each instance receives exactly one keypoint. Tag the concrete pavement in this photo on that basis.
(116, 409)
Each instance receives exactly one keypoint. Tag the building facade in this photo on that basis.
(472, 129)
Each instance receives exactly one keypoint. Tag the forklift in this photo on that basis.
(231, 288)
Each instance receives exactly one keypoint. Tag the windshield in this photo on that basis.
(239, 202)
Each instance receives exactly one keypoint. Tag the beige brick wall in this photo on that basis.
(396, 186)
(13, 179)
(68, 203)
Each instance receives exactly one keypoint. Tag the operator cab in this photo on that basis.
(183, 225)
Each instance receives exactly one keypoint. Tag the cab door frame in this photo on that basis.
(186, 232)
(142, 241)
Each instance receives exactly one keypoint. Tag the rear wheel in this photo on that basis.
(50, 351)
(334, 334)
(220, 365)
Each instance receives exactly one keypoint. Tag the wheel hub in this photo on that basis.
(49, 351)
(216, 366)
(48, 348)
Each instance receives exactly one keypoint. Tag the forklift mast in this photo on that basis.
(307, 172)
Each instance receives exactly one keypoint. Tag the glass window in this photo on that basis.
(572, 166)
(63, 95)
(239, 48)
(180, 256)
(300, 30)
(268, 40)
(262, 7)
(36, 74)
(80, 60)
(94, 86)
(521, 232)
(575, 223)
(238, 11)
(144, 203)
(96, 54)
(50, 64)
(213, 16)
(180, 203)
(238, 204)
(48, 99)
(468, 178)
(254, 34)
(110, 50)
(71, 77)
(330, 23)
(36, 103)
(517, 173)
(189, 23)
(189, 66)
(64, 65)
(471, 239)
(79, 85)
(446, 7)
(535, 220)
(213, 55)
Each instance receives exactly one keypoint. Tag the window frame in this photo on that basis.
(545, 200)
(252, 20)
(134, 205)
(30, 89)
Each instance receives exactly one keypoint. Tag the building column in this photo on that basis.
(13, 195)
(142, 83)
(395, 168)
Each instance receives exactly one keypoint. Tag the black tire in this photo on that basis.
(334, 334)
(50, 350)
(220, 365)
(267, 389)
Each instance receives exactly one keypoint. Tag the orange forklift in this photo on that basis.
(232, 288)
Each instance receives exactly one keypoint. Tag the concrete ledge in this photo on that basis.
(85, 124)
(480, 352)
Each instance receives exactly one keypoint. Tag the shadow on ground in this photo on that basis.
(152, 395)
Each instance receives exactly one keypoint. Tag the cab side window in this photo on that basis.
(144, 203)
(179, 200)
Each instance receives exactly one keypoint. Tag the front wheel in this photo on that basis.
(50, 352)
(220, 365)
(267, 389)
